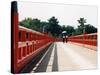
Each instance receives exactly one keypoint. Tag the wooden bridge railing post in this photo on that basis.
(14, 36)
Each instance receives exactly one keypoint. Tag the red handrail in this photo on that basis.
(89, 39)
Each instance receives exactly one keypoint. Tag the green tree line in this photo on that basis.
(53, 28)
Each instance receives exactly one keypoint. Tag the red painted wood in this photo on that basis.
(88, 39)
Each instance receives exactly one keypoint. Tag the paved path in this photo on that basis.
(66, 56)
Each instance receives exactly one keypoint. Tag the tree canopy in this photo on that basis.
(54, 29)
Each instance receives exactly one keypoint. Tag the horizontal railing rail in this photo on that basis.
(88, 39)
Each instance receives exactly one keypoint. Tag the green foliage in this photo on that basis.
(26, 22)
(90, 29)
(34, 24)
(54, 29)
(69, 29)
(82, 28)
(81, 21)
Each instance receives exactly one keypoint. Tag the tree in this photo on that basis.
(82, 28)
(69, 29)
(87, 29)
(44, 26)
(63, 28)
(54, 28)
(34, 24)
(26, 22)
(82, 22)
(90, 29)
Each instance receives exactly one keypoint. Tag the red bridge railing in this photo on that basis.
(26, 43)
(89, 39)
(30, 43)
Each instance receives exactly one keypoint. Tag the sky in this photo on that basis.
(66, 14)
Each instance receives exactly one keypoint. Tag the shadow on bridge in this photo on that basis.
(55, 61)
(42, 67)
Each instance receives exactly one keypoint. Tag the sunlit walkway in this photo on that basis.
(66, 56)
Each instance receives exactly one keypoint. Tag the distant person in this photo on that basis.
(63, 39)
(66, 38)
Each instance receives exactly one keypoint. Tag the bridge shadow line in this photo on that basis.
(43, 65)
(55, 61)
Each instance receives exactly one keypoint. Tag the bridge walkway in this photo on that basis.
(66, 56)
